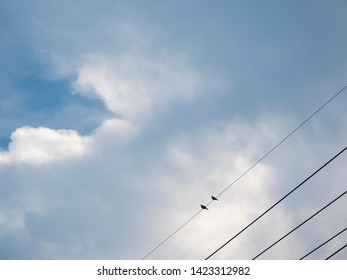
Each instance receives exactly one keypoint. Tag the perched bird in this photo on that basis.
(203, 207)
(213, 198)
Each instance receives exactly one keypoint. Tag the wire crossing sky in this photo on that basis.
(284, 139)
(167, 238)
(294, 229)
(279, 201)
(321, 245)
(339, 250)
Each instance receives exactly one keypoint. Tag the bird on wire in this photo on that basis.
(214, 198)
(203, 207)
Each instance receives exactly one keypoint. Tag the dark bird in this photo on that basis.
(203, 207)
(213, 198)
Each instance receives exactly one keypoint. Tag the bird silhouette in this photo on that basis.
(203, 207)
(213, 198)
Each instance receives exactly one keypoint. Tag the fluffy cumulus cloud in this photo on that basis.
(133, 85)
(40, 145)
(92, 179)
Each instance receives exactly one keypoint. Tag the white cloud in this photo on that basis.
(40, 145)
(133, 84)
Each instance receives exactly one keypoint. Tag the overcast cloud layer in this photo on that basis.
(119, 118)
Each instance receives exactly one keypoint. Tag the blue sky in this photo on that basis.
(118, 118)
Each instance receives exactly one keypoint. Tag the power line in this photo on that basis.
(167, 238)
(284, 139)
(315, 249)
(289, 193)
(252, 166)
(336, 252)
(294, 229)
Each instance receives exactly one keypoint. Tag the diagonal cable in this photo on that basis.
(167, 238)
(336, 252)
(284, 139)
(331, 238)
(294, 229)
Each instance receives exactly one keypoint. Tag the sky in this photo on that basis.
(119, 118)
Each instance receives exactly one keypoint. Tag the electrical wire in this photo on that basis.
(284, 139)
(270, 208)
(167, 238)
(252, 166)
(336, 252)
(294, 229)
(315, 249)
